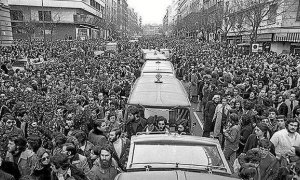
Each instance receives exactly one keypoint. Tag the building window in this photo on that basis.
(298, 13)
(45, 16)
(93, 3)
(272, 13)
(98, 6)
(16, 15)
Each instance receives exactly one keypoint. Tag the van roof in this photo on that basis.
(157, 56)
(111, 44)
(149, 50)
(169, 93)
(158, 67)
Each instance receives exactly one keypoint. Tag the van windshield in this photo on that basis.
(172, 115)
(169, 153)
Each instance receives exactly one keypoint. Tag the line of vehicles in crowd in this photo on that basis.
(169, 156)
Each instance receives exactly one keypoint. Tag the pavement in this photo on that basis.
(197, 120)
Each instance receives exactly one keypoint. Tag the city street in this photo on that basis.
(197, 117)
(102, 89)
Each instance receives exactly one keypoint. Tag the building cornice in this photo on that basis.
(76, 4)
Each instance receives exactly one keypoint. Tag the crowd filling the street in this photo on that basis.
(64, 115)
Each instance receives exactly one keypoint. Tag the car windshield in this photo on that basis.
(182, 154)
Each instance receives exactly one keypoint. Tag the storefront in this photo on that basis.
(82, 33)
(295, 48)
(264, 41)
(234, 39)
(286, 42)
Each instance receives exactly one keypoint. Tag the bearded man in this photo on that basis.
(104, 167)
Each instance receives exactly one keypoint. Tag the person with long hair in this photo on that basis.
(42, 170)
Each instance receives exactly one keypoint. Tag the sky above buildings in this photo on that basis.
(152, 11)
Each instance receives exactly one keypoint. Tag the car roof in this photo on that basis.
(169, 93)
(170, 175)
(173, 137)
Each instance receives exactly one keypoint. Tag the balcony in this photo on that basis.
(90, 20)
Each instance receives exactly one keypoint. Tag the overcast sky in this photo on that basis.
(152, 11)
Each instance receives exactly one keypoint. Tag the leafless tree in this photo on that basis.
(56, 18)
(29, 27)
(258, 13)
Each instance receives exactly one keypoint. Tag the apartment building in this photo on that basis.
(5, 24)
(57, 19)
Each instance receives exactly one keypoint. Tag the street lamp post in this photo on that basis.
(44, 29)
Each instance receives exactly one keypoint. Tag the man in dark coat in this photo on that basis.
(135, 122)
(120, 147)
(282, 108)
(209, 114)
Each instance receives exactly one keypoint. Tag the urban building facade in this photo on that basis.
(152, 30)
(57, 19)
(69, 19)
(278, 31)
(133, 23)
(110, 17)
(171, 18)
(5, 24)
(122, 18)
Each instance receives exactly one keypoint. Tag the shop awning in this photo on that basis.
(260, 37)
(287, 37)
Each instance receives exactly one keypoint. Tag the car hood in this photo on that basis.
(170, 175)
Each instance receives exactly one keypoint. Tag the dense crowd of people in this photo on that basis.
(65, 117)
